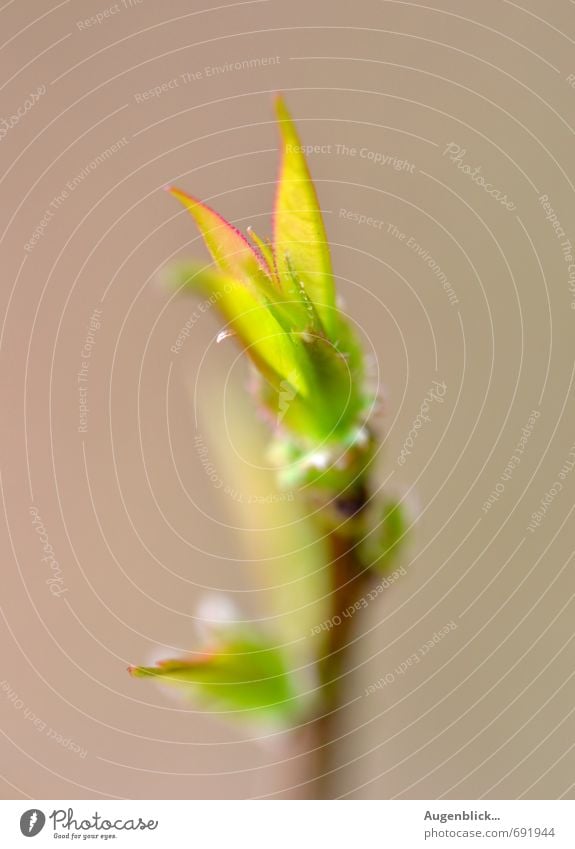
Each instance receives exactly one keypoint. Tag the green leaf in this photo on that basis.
(387, 536)
(278, 355)
(300, 241)
(266, 251)
(245, 675)
(230, 250)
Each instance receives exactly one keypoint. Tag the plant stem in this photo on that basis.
(350, 581)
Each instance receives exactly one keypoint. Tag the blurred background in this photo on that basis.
(443, 137)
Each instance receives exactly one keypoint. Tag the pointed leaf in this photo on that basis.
(245, 675)
(277, 354)
(266, 251)
(230, 250)
(299, 233)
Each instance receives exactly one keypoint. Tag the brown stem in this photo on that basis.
(350, 581)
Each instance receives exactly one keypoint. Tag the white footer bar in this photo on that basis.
(288, 825)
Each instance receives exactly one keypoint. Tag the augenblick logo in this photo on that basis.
(65, 824)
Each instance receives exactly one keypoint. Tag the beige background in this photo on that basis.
(138, 530)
